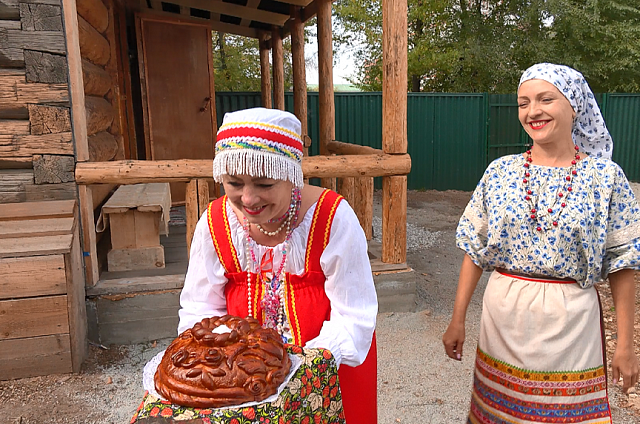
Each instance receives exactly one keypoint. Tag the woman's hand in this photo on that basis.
(625, 365)
(453, 339)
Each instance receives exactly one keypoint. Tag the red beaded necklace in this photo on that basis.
(536, 215)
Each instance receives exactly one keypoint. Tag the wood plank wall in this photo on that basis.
(36, 148)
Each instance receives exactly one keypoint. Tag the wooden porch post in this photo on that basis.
(79, 130)
(327, 118)
(265, 71)
(299, 72)
(394, 128)
(278, 69)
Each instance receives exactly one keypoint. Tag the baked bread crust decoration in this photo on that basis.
(205, 369)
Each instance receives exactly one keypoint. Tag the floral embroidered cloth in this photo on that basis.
(312, 396)
(597, 231)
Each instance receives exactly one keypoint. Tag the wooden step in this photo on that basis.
(35, 246)
(37, 210)
(36, 227)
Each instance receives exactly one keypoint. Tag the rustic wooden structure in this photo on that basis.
(42, 305)
(80, 115)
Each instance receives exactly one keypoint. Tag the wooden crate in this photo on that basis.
(42, 307)
(135, 214)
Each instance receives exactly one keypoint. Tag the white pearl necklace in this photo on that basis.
(291, 213)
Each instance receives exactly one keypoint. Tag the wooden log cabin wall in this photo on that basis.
(36, 148)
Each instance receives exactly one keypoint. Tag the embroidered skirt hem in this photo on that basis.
(540, 355)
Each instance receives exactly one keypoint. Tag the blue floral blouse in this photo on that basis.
(596, 232)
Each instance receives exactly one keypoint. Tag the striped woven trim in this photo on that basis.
(257, 145)
(260, 133)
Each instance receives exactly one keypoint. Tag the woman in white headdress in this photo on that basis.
(291, 255)
(549, 224)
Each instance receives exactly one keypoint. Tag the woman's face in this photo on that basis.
(545, 114)
(259, 199)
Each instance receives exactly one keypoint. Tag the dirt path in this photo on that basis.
(417, 383)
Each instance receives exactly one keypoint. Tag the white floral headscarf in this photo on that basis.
(589, 130)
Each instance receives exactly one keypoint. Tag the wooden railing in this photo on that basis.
(354, 168)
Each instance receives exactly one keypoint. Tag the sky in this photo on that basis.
(343, 64)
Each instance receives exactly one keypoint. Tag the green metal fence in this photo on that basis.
(452, 137)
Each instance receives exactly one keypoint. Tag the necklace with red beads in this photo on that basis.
(538, 217)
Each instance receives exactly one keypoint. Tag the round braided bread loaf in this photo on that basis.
(203, 369)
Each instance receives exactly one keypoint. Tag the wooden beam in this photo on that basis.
(297, 2)
(16, 3)
(394, 219)
(278, 69)
(327, 119)
(76, 303)
(15, 91)
(394, 124)
(45, 67)
(53, 169)
(251, 4)
(79, 119)
(183, 170)
(346, 187)
(94, 12)
(215, 25)
(47, 119)
(340, 148)
(10, 24)
(14, 127)
(196, 201)
(100, 114)
(40, 17)
(27, 145)
(93, 46)
(102, 147)
(363, 205)
(394, 76)
(96, 79)
(265, 72)
(90, 251)
(9, 10)
(11, 57)
(17, 185)
(299, 72)
(46, 41)
(310, 10)
(223, 8)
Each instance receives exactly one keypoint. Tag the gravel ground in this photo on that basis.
(417, 382)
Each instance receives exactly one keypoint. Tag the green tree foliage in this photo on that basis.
(601, 39)
(236, 63)
(484, 45)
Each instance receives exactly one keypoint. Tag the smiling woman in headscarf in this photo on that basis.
(291, 255)
(549, 223)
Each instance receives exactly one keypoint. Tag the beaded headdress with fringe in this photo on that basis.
(259, 142)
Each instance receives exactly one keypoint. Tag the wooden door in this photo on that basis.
(176, 71)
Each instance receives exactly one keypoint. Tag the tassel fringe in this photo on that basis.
(257, 164)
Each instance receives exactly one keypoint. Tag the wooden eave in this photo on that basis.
(249, 18)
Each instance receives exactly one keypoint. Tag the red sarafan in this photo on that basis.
(205, 369)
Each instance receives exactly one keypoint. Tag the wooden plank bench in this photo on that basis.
(43, 328)
(135, 214)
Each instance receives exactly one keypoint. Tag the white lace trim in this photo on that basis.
(623, 236)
